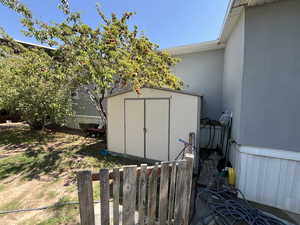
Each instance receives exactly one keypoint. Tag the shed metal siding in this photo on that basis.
(183, 118)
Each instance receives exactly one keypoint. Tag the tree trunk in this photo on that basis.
(36, 125)
(101, 106)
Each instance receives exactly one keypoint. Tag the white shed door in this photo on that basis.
(157, 129)
(134, 127)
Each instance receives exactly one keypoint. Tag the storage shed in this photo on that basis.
(149, 125)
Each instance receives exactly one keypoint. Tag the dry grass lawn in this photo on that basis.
(38, 168)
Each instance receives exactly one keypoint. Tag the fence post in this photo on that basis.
(192, 142)
(85, 196)
(189, 175)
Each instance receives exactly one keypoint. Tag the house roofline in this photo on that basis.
(225, 25)
(35, 45)
(233, 13)
(208, 45)
(31, 44)
(193, 48)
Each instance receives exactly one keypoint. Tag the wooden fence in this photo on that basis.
(158, 195)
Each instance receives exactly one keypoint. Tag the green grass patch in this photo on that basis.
(62, 214)
(51, 194)
(23, 135)
(96, 190)
(52, 158)
(2, 187)
(14, 165)
(12, 205)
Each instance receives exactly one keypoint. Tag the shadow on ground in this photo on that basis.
(21, 137)
(46, 153)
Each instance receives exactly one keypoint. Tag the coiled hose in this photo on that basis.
(227, 209)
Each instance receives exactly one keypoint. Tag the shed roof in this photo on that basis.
(160, 89)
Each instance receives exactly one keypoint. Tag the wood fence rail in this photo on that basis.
(158, 195)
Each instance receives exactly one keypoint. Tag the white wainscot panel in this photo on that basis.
(268, 176)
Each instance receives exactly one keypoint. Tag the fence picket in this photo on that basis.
(104, 196)
(129, 195)
(85, 196)
(152, 193)
(179, 211)
(172, 193)
(189, 177)
(171, 203)
(163, 193)
(142, 194)
(116, 196)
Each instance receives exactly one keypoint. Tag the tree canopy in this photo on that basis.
(103, 59)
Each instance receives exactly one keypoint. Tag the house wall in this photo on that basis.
(267, 156)
(202, 74)
(83, 106)
(270, 94)
(85, 111)
(233, 74)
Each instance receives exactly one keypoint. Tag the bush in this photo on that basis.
(34, 87)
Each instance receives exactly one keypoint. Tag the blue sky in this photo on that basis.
(166, 22)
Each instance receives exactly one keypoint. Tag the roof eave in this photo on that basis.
(194, 48)
(35, 45)
(233, 13)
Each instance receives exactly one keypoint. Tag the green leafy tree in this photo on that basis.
(104, 59)
(32, 85)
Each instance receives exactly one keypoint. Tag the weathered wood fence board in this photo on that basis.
(104, 193)
(152, 192)
(172, 192)
(85, 195)
(189, 178)
(142, 194)
(163, 194)
(129, 195)
(116, 196)
(179, 194)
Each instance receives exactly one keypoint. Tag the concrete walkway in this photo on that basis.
(98, 214)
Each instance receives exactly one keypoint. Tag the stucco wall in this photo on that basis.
(233, 74)
(270, 98)
(202, 73)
